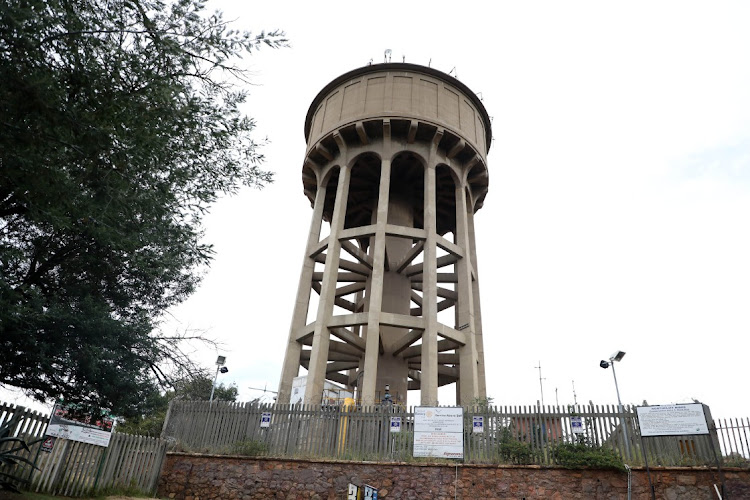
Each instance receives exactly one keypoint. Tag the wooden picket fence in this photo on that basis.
(76, 469)
(511, 434)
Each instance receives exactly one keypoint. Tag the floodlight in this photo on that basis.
(223, 369)
(604, 364)
(221, 360)
(617, 356)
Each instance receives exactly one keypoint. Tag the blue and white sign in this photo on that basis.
(576, 425)
(477, 425)
(395, 424)
(370, 493)
(265, 419)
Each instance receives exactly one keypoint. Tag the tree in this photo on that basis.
(195, 387)
(119, 126)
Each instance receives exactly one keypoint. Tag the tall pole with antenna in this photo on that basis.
(541, 388)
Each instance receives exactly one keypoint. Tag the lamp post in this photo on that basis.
(617, 356)
(219, 368)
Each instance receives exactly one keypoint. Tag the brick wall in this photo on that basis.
(206, 477)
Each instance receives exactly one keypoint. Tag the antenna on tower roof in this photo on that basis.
(387, 55)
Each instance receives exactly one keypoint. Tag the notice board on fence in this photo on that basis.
(439, 432)
(80, 424)
(672, 420)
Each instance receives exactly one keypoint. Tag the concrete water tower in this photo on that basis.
(396, 166)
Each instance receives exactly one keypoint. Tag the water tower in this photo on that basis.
(388, 297)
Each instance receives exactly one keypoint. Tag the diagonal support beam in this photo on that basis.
(349, 337)
(406, 341)
(346, 265)
(358, 254)
(410, 256)
(346, 290)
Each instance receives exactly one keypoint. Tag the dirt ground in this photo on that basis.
(7, 495)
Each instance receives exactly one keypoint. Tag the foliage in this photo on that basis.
(736, 460)
(515, 452)
(249, 448)
(119, 126)
(481, 403)
(196, 387)
(579, 455)
(10, 446)
(510, 450)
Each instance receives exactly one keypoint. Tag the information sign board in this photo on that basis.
(370, 493)
(477, 425)
(576, 424)
(439, 432)
(395, 424)
(672, 420)
(265, 419)
(80, 424)
(365, 492)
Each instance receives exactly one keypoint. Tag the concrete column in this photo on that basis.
(376, 285)
(429, 375)
(467, 383)
(290, 368)
(321, 335)
(478, 337)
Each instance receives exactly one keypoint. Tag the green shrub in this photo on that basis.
(249, 448)
(512, 451)
(579, 455)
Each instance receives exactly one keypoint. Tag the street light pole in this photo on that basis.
(213, 386)
(219, 368)
(617, 357)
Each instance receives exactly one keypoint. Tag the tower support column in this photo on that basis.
(322, 336)
(429, 377)
(290, 368)
(372, 350)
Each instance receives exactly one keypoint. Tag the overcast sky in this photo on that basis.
(619, 198)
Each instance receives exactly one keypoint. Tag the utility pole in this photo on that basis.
(541, 389)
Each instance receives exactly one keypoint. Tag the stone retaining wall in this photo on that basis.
(207, 477)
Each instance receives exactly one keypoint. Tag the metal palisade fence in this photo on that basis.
(73, 468)
(510, 434)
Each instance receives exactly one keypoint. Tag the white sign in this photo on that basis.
(672, 420)
(478, 425)
(576, 423)
(395, 424)
(439, 432)
(352, 492)
(265, 419)
(67, 422)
